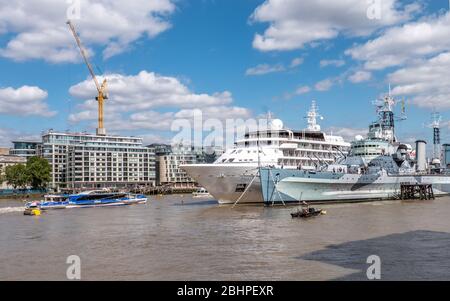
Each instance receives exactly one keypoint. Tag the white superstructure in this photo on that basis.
(276, 146)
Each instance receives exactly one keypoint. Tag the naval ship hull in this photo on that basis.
(227, 182)
(293, 186)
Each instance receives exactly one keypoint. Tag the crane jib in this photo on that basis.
(102, 94)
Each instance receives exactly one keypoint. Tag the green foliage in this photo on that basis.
(2, 177)
(38, 171)
(17, 176)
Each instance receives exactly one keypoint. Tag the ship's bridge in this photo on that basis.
(371, 148)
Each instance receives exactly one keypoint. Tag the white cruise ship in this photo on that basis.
(234, 175)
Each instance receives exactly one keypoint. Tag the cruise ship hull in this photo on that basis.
(293, 186)
(227, 182)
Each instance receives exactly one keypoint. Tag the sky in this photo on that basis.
(165, 60)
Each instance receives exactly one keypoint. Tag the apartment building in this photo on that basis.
(88, 161)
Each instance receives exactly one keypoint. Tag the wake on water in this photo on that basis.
(11, 209)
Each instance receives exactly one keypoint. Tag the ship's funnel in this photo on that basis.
(421, 155)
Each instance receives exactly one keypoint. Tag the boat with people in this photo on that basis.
(307, 213)
(378, 167)
(201, 193)
(94, 198)
(32, 209)
(54, 201)
(233, 177)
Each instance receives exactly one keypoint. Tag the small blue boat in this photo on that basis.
(95, 198)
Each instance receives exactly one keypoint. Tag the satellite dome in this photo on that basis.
(436, 162)
(276, 124)
(359, 137)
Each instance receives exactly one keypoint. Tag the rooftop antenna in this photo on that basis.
(269, 115)
(312, 116)
(403, 115)
(69, 111)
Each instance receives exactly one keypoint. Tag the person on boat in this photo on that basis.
(305, 207)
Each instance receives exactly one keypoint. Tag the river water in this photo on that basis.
(178, 238)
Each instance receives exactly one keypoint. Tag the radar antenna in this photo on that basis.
(386, 117)
(312, 116)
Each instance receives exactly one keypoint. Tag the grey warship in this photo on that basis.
(376, 168)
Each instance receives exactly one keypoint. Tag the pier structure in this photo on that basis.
(416, 191)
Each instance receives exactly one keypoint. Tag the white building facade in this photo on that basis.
(87, 161)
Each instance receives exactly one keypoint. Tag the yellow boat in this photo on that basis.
(32, 209)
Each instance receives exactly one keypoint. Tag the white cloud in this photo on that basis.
(7, 135)
(348, 134)
(24, 101)
(302, 90)
(146, 90)
(427, 82)
(360, 76)
(324, 85)
(163, 121)
(148, 120)
(37, 28)
(296, 62)
(217, 112)
(133, 100)
(299, 91)
(263, 69)
(421, 52)
(336, 63)
(400, 45)
(152, 138)
(294, 24)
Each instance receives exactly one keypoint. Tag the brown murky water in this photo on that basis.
(200, 240)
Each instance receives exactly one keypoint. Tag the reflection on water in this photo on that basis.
(178, 238)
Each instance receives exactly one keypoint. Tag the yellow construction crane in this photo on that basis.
(101, 89)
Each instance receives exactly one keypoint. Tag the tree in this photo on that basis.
(2, 177)
(39, 172)
(17, 176)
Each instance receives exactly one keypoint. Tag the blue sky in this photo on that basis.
(209, 53)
